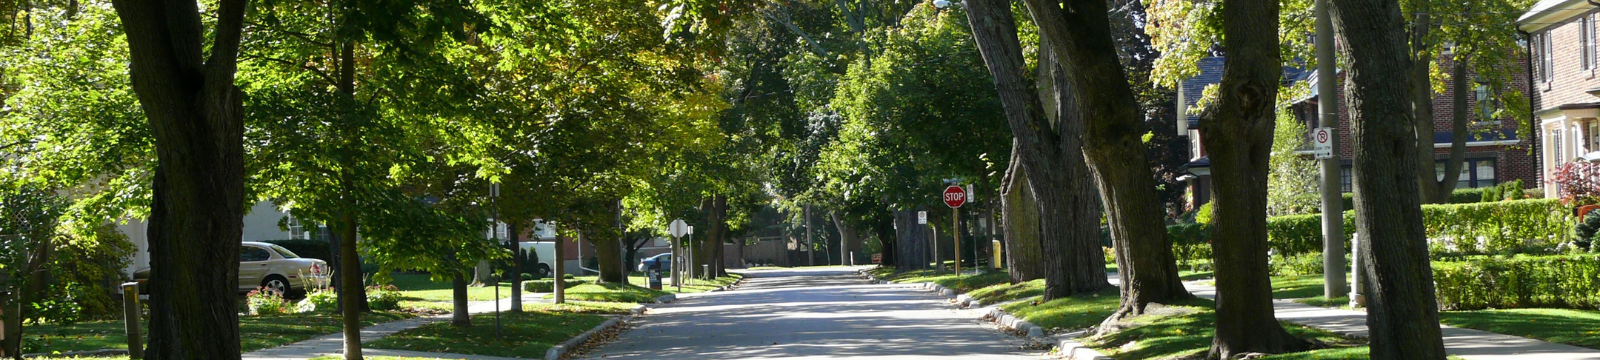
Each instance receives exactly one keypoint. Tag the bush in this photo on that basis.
(266, 302)
(1300, 234)
(1296, 265)
(1584, 233)
(548, 285)
(1204, 215)
(385, 297)
(1190, 242)
(1564, 281)
(568, 276)
(527, 277)
(1465, 196)
(318, 301)
(1496, 227)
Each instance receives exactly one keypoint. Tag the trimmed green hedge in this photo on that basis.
(1564, 281)
(1501, 227)
(547, 285)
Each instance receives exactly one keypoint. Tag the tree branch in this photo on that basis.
(313, 70)
(815, 47)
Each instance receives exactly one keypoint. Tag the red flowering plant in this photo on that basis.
(1579, 183)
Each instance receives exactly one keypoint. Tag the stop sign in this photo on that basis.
(955, 196)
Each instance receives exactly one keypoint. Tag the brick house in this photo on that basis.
(1561, 35)
(1494, 154)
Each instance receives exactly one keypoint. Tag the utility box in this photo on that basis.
(655, 276)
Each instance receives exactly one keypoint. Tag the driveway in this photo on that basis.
(812, 314)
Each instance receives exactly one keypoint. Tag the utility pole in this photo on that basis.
(1328, 116)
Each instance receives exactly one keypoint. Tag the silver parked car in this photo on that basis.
(271, 267)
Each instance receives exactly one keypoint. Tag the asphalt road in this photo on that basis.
(812, 314)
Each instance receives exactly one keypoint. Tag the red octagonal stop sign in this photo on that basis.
(955, 196)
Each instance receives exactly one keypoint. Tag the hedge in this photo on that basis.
(547, 285)
(1564, 281)
(1501, 227)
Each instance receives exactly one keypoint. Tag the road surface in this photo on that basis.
(812, 314)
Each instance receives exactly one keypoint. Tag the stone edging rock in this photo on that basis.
(1069, 348)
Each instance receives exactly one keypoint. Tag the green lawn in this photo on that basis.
(960, 284)
(1178, 336)
(1067, 314)
(528, 334)
(418, 287)
(255, 332)
(1007, 291)
(1571, 327)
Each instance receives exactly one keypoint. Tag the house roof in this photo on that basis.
(1210, 73)
(1549, 12)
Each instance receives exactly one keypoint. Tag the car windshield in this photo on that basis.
(285, 252)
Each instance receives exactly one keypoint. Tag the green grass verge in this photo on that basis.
(1565, 326)
(960, 284)
(1006, 291)
(528, 334)
(419, 287)
(1178, 336)
(255, 332)
(1292, 287)
(1067, 314)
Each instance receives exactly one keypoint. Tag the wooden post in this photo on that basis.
(130, 315)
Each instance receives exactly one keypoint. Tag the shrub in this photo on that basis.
(318, 301)
(527, 277)
(1204, 215)
(1190, 242)
(1299, 234)
(1296, 265)
(1565, 281)
(568, 276)
(385, 297)
(1497, 227)
(266, 302)
(1584, 233)
(548, 285)
(1464, 196)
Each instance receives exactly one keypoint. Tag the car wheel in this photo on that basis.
(277, 284)
(543, 271)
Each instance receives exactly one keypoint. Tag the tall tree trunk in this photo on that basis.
(459, 315)
(1113, 145)
(1239, 140)
(1024, 259)
(196, 217)
(1402, 314)
(1458, 129)
(353, 300)
(515, 272)
(849, 240)
(1422, 102)
(1051, 155)
(35, 278)
(608, 252)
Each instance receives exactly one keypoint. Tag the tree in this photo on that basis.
(29, 216)
(1403, 315)
(1239, 136)
(196, 114)
(1049, 147)
(1024, 260)
(1114, 149)
(1292, 185)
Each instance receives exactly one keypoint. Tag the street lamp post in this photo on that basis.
(494, 235)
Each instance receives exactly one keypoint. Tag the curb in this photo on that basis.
(557, 351)
(1066, 345)
(663, 299)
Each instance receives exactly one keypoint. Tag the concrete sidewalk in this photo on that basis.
(333, 344)
(1465, 343)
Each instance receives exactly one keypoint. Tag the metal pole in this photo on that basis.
(938, 265)
(956, 228)
(1332, 204)
(130, 314)
(494, 233)
(811, 258)
(1356, 298)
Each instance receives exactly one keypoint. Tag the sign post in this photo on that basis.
(677, 229)
(954, 197)
(1322, 143)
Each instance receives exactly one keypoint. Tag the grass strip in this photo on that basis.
(528, 334)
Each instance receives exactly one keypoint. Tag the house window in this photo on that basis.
(1487, 104)
(297, 230)
(1344, 180)
(1475, 173)
(1546, 57)
(1586, 42)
